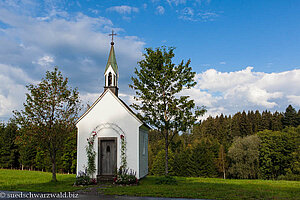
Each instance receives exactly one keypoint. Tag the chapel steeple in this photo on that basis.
(111, 73)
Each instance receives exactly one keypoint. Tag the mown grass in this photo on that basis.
(211, 188)
(34, 181)
(205, 188)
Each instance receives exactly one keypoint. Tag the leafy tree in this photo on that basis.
(49, 113)
(295, 160)
(276, 151)
(157, 87)
(244, 156)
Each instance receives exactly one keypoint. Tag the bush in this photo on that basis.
(125, 177)
(289, 177)
(166, 180)
(84, 179)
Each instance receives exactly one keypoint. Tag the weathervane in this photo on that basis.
(112, 37)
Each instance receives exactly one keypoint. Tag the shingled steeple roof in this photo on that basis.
(112, 59)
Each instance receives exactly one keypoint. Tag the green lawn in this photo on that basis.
(209, 188)
(33, 181)
(212, 188)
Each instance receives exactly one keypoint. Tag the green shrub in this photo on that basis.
(289, 177)
(166, 180)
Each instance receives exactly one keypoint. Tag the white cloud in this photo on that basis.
(123, 9)
(160, 10)
(12, 89)
(222, 63)
(78, 44)
(200, 97)
(45, 61)
(30, 43)
(229, 92)
(294, 100)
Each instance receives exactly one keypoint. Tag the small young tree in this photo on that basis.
(221, 161)
(157, 86)
(49, 113)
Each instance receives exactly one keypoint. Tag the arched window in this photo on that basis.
(109, 79)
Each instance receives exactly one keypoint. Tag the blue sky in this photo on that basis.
(246, 53)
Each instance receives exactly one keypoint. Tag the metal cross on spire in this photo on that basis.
(112, 37)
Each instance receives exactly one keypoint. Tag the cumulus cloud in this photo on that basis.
(12, 89)
(123, 9)
(78, 44)
(294, 99)
(45, 61)
(229, 92)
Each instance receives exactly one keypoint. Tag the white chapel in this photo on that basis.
(110, 120)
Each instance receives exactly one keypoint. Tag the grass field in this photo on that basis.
(34, 181)
(206, 188)
(212, 188)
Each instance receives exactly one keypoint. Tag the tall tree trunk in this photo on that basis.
(166, 155)
(54, 167)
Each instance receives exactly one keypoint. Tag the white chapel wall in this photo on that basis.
(109, 110)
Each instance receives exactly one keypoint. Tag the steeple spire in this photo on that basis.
(111, 73)
(112, 60)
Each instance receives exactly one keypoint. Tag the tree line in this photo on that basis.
(15, 154)
(246, 145)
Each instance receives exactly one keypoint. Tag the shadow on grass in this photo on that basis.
(60, 186)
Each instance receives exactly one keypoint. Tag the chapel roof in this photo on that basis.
(120, 101)
(112, 59)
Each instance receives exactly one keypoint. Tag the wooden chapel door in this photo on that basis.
(107, 156)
